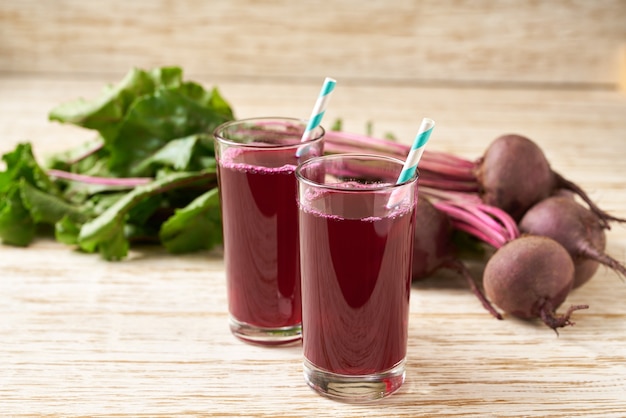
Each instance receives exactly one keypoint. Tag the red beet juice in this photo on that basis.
(356, 291)
(257, 190)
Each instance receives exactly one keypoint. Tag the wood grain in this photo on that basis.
(562, 42)
(149, 337)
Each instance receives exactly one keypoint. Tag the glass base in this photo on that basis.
(265, 336)
(354, 388)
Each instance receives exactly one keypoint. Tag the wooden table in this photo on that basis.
(149, 335)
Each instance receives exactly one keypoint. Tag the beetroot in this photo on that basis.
(485, 199)
(433, 249)
(576, 228)
(514, 174)
(530, 277)
(432, 244)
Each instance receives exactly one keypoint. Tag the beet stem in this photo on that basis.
(357, 141)
(478, 233)
(449, 170)
(450, 195)
(460, 215)
(446, 184)
(450, 166)
(106, 181)
(97, 147)
(504, 218)
(459, 267)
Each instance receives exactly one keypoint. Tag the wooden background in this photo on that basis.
(148, 336)
(560, 42)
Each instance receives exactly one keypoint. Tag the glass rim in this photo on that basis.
(354, 155)
(220, 138)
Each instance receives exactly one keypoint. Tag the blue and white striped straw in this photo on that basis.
(320, 107)
(417, 149)
(318, 111)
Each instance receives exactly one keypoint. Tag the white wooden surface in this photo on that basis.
(149, 337)
(404, 41)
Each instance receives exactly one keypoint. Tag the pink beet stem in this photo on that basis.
(447, 158)
(442, 184)
(460, 268)
(436, 161)
(447, 169)
(486, 230)
(105, 181)
(478, 233)
(504, 218)
(451, 195)
(87, 153)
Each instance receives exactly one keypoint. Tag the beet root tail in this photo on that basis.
(554, 321)
(593, 253)
(605, 218)
(459, 267)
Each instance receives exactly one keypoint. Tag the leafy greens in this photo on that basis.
(148, 176)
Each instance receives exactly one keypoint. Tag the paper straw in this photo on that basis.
(318, 111)
(410, 165)
(417, 149)
(320, 107)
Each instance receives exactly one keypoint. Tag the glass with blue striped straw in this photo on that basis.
(356, 258)
(256, 161)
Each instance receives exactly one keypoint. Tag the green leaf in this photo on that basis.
(337, 125)
(66, 231)
(106, 113)
(210, 99)
(21, 184)
(16, 225)
(47, 208)
(72, 159)
(151, 123)
(115, 247)
(99, 203)
(142, 211)
(196, 227)
(106, 232)
(190, 153)
(21, 164)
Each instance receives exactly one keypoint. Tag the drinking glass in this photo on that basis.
(356, 241)
(256, 163)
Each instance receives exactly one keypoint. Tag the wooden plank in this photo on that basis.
(148, 336)
(462, 41)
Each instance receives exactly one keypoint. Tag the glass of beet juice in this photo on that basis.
(257, 159)
(356, 241)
